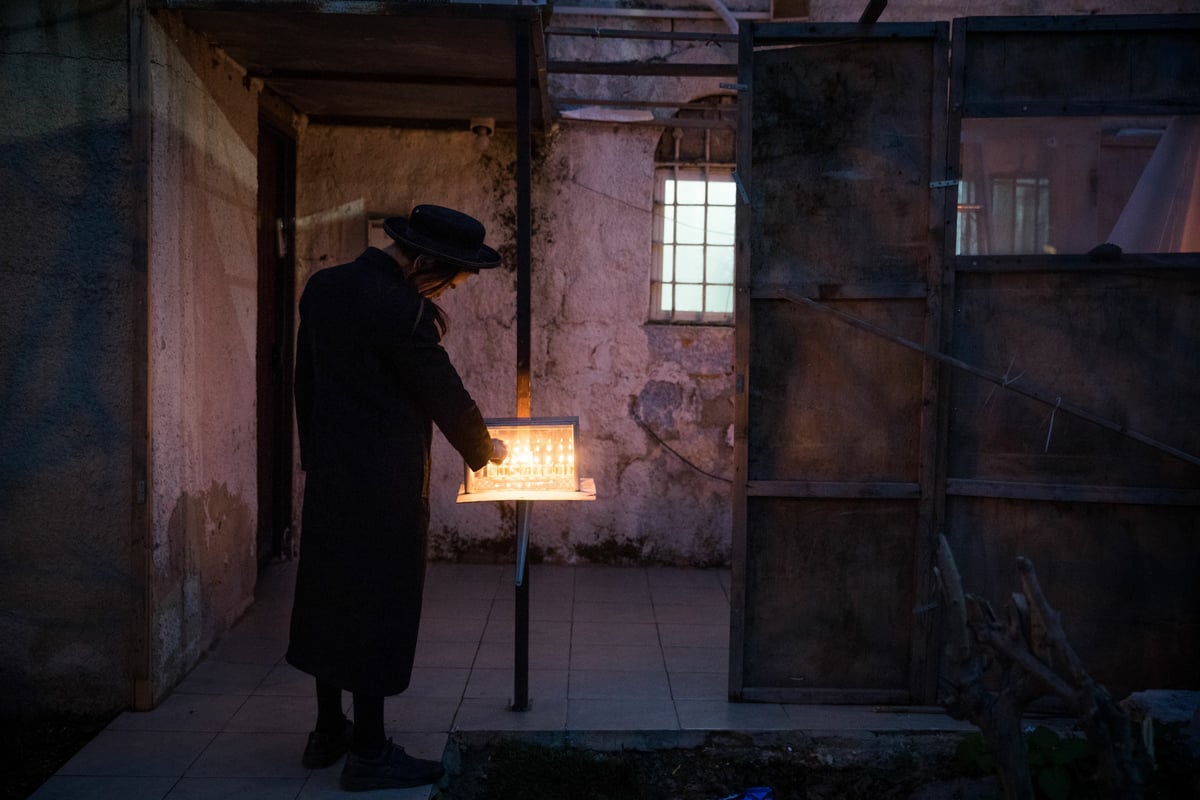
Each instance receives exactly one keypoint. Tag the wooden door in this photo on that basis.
(276, 300)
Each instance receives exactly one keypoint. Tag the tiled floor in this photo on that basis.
(611, 649)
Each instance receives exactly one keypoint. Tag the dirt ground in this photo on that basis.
(726, 766)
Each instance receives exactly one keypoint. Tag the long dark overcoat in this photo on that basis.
(371, 376)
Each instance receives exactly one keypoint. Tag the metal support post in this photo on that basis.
(521, 633)
(524, 258)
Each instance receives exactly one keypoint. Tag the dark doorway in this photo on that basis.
(276, 299)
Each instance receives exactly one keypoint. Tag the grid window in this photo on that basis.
(694, 205)
(696, 245)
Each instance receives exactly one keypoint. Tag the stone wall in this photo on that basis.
(203, 313)
(66, 586)
(593, 355)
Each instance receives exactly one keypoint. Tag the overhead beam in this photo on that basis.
(617, 33)
(333, 76)
(386, 121)
(666, 122)
(638, 69)
(656, 13)
(592, 101)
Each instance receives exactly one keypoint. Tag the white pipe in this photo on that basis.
(724, 13)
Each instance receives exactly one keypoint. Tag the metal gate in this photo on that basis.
(930, 341)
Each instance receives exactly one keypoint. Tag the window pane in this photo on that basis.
(694, 248)
(689, 264)
(689, 297)
(689, 224)
(1030, 228)
(1068, 184)
(1003, 217)
(691, 193)
(720, 224)
(722, 193)
(1043, 217)
(720, 265)
(719, 299)
(969, 233)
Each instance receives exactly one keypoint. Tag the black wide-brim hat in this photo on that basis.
(445, 234)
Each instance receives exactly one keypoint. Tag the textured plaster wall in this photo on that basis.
(65, 471)
(203, 308)
(593, 355)
(349, 175)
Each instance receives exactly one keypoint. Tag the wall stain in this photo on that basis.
(206, 579)
(453, 546)
(614, 551)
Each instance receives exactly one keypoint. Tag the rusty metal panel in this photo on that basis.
(1081, 65)
(841, 159)
(832, 421)
(1068, 411)
(1122, 345)
(829, 403)
(1122, 576)
(1103, 499)
(829, 587)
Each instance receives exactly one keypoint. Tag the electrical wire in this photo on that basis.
(675, 452)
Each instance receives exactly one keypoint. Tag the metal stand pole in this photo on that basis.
(524, 231)
(521, 633)
(524, 235)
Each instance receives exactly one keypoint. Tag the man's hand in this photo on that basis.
(499, 451)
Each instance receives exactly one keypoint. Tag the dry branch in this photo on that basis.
(1121, 767)
(995, 670)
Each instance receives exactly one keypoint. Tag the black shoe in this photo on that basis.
(391, 769)
(325, 748)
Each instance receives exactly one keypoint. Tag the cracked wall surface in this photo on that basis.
(593, 354)
(203, 317)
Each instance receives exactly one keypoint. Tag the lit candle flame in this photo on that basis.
(540, 457)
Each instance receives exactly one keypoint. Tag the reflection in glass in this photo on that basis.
(1067, 184)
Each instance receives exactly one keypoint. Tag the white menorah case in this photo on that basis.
(541, 465)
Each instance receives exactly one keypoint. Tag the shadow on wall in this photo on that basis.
(65, 344)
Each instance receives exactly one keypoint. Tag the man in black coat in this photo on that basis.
(371, 379)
